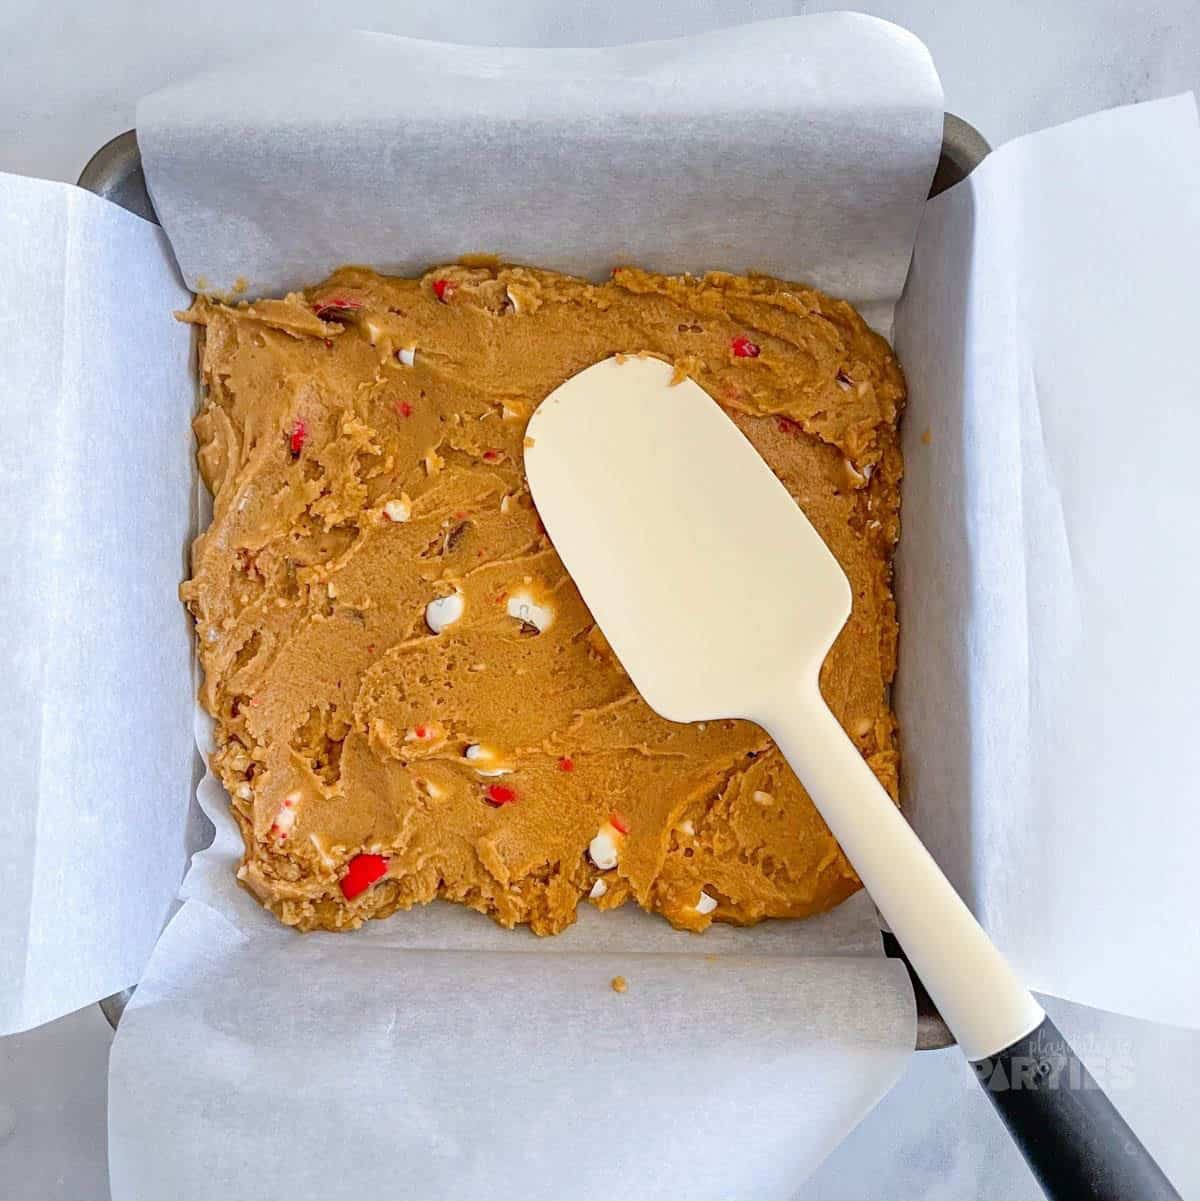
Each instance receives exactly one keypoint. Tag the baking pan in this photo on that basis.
(115, 172)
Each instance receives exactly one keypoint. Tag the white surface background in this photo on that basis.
(71, 73)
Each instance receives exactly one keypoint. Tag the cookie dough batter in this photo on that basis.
(411, 699)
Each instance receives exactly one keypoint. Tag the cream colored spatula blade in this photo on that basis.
(721, 600)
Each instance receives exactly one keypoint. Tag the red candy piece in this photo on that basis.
(491, 456)
(361, 872)
(499, 794)
(336, 304)
(403, 408)
(619, 821)
(297, 436)
(443, 288)
(743, 348)
(566, 763)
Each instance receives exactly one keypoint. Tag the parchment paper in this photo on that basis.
(1049, 565)
(803, 147)
(96, 496)
(436, 1055)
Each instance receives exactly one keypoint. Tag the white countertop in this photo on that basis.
(72, 73)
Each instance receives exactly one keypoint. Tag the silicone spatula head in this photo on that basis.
(706, 577)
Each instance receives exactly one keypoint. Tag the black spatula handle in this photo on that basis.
(1077, 1144)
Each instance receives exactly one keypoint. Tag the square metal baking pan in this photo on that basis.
(115, 172)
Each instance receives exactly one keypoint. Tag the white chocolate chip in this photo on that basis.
(603, 850)
(705, 904)
(374, 330)
(407, 355)
(244, 792)
(331, 588)
(328, 860)
(483, 754)
(598, 890)
(505, 503)
(688, 829)
(398, 510)
(444, 611)
(432, 790)
(523, 607)
(763, 798)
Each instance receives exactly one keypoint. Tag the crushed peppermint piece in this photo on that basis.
(493, 456)
(404, 408)
(619, 821)
(566, 763)
(743, 348)
(443, 289)
(706, 904)
(603, 850)
(524, 608)
(498, 795)
(407, 355)
(398, 510)
(285, 819)
(336, 304)
(599, 888)
(297, 436)
(444, 611)
(361, 872)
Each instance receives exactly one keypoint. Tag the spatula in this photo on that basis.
(721, 601)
